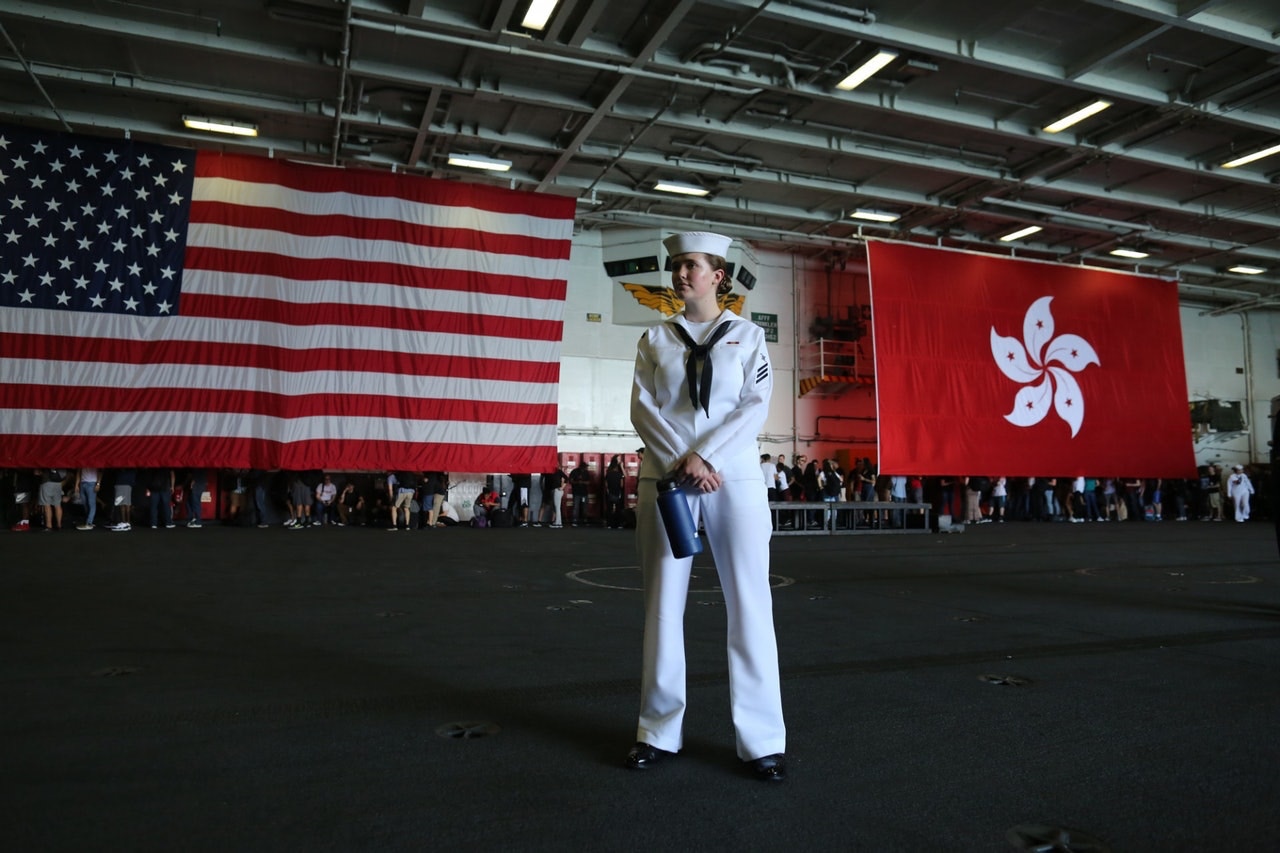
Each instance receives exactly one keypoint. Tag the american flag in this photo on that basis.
(167, 307)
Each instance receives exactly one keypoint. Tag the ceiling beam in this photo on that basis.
(239, 102)
(967, 120)
(424, 127)
(1194, 15)
(1187, 8)
(559, 20)
(852, 192)
(660, 34)
(1003, 60)
(822, 140)
(106, 27)
(502, 18)
(587, 25)
(666, 67)
(795, 135)
(950, 114)
(1113, 49)
(163, 133)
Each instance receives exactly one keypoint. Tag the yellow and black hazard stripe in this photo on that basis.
(809, 383)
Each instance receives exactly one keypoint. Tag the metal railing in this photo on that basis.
(831, 362)
(806, 518)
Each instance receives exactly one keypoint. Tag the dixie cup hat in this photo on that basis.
(698, 241)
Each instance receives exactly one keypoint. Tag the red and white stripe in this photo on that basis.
(328, 319)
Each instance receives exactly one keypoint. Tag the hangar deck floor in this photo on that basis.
(229, 689)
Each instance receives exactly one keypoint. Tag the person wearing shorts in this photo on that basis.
(301, 497)
(401, 487)
(125, 478)
(51, 497)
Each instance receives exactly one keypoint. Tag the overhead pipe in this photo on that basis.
(749, 163)
(635, 137)
(775, 235)
(1241, 306)
(891, 143)
(217, 22)
(795, 351)
(741, 28)
(1050, 210)
(719, 49)
(1247, 334)
(344, 58)
(514, 50)
(313, 18)
(817, 422)
(862, 16)
(735, 67)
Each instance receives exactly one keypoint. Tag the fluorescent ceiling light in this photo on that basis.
(871, 66)
(1130, 253)
(875, 216)
(220, 125)
(682, 189)
(1025, 232)
(539, 13)
(1246, 270)
(1077, 116)
(1249, 158)
(476, 161)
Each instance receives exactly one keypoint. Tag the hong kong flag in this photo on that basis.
(995, 366)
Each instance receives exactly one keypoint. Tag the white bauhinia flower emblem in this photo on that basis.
(1044, 367)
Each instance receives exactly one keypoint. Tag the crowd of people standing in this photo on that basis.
(117, 499)
(1214, 494)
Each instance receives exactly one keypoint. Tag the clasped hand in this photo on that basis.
(693, 470)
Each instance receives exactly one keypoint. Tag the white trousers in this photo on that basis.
(1242, 505)
(738, 525)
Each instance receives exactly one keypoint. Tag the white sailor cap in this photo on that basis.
(1239, 467)
(698, 241)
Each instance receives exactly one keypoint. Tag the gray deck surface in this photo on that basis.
(233, 689)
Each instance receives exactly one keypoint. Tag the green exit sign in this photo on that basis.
(768, 322)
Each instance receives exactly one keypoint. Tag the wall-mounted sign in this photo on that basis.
(768, 322)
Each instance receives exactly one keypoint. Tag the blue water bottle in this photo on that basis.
(678, 521)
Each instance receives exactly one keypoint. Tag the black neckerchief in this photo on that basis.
(700, 392)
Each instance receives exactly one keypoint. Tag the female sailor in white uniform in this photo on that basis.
(699, 400)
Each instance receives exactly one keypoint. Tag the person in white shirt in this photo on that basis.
(699, 399)
(770, 472)
(898, 495)
(448, 515)
(1075, 504)
(326, 502)
(784, 479)
(1239, 488)
(999, 498)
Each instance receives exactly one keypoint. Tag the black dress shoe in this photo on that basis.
(770, 768)
(642, 756)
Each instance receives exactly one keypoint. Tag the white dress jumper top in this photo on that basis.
(735, 516)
